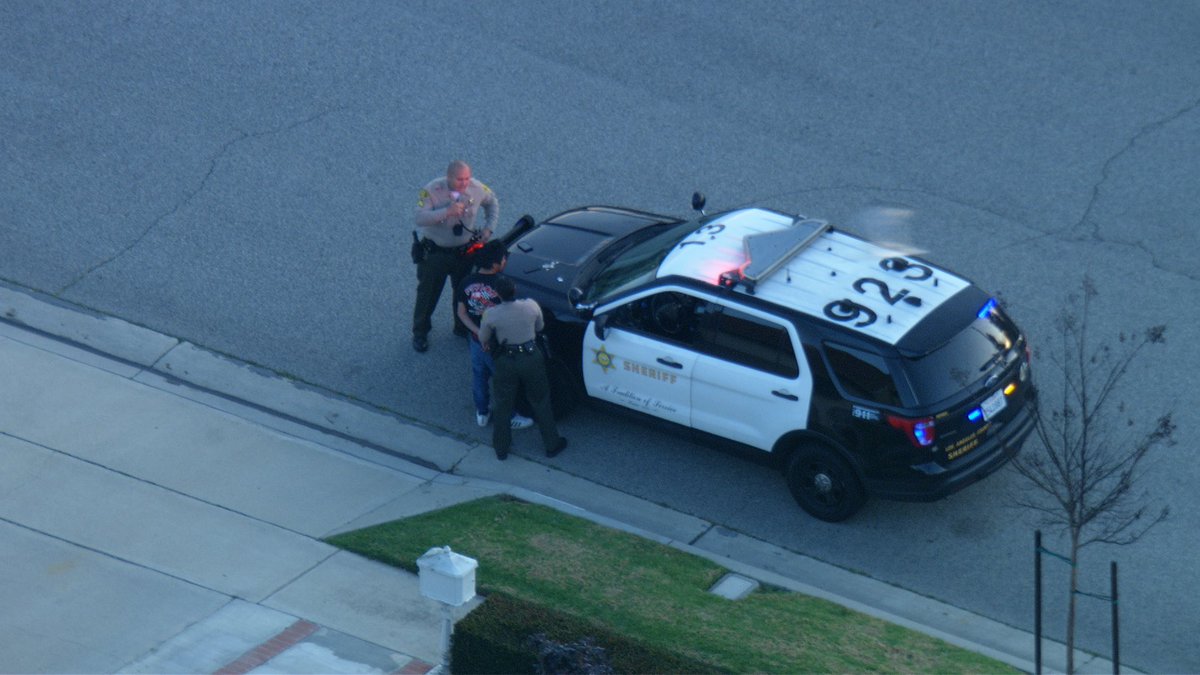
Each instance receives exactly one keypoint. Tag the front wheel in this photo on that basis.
(565, 390)
(824, 484)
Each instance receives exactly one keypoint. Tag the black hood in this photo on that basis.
(545, 261)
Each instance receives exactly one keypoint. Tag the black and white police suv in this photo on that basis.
(866, 371)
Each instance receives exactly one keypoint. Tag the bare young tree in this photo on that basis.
(1085, 472)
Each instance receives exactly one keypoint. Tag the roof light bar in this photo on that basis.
(768, 251)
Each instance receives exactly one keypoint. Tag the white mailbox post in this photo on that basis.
(449, 578)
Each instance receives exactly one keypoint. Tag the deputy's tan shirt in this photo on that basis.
(513, 323)
(432, 219)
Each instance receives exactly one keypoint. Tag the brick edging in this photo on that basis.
(268, 650)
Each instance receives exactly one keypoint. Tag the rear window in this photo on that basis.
(961, 363)
(862, 374)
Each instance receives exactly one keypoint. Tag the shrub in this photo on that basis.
(496, 638)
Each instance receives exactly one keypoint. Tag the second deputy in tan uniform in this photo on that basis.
(446, 211)
(508, 330)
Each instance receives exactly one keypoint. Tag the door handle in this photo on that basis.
(785, 395)
(669, 362)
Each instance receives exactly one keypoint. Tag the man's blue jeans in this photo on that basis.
(482, 370)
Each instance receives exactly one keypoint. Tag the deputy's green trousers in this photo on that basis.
(438, 264)
(512, 372)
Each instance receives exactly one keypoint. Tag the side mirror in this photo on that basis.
(524, 224)
(600, 326)
(698, 202)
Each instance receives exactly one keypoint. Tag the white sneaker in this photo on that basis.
(521, 422)
(482, 419)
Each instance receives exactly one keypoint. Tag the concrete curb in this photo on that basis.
(103, 334)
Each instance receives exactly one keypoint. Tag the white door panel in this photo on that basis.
(701, 361)
(748, 405)
(638, 372)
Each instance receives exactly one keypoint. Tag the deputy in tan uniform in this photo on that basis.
(446, 213)
(508, 331)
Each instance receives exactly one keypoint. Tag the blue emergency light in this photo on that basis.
(987, 308)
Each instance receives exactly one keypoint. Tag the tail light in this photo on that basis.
(920, 431)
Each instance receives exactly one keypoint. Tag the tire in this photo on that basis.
(824, 484)
(565, 390)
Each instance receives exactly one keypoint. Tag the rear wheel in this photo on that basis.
(824, 484)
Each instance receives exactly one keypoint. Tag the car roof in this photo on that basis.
(814, 269)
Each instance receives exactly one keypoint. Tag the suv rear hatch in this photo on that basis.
(977, 380)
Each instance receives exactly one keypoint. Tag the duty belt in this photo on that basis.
(513, 350)
(431, 247)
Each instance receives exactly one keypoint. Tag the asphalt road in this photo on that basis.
(243, 175)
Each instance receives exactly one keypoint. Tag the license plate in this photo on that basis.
(993, 404)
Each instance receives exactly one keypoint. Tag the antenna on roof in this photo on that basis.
(698, 202)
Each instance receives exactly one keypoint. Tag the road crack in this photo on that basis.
(213, 162)
(1106, 169)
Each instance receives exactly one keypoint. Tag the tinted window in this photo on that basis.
(863, 374)
(967, 358)
(734, 336)
(669, 316)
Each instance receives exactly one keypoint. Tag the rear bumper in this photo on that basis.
(933, 482)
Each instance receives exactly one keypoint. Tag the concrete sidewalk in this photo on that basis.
(146, 532)
(162, 510)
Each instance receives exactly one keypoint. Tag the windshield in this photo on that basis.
(632, 261)
(966, 359)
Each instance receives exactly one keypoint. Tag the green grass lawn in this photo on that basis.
(660, 595)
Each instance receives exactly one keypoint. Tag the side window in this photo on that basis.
(863, 374)
(669, 316)
(741, 338)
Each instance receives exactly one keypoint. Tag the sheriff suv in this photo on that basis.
(867, 372)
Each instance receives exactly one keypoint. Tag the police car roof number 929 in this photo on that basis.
(823, 273)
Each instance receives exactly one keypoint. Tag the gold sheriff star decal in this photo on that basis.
(603, 359)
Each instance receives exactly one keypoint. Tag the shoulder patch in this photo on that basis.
(421, 197)
(485, 188)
